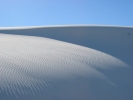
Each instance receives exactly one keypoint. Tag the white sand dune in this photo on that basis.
(66, 63)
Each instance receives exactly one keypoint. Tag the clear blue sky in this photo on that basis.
(64, 12)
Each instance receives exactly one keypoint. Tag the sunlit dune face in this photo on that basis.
(36, 68)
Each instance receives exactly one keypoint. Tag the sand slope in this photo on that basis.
(66, 63)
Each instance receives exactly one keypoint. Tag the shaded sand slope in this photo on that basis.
(93, 63)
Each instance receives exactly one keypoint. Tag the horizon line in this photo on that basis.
(67, 25)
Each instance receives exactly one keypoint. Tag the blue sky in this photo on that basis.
(65, 12)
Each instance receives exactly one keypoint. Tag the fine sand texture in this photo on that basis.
(80, 62)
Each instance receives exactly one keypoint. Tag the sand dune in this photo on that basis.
(66, 63)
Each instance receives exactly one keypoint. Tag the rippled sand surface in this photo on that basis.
(41, 68)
